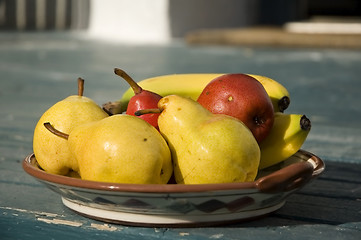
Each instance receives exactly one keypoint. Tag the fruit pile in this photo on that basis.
(182, 128)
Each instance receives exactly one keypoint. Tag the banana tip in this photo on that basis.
(283, 103)
(305, 123)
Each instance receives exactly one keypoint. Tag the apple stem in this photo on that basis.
(50, 127)
(80, 87)
(147, 111)
(136, 88)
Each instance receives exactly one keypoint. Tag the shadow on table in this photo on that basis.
(333, 198)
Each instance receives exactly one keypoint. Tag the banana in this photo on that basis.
(279, 95)
(191, 85)
(286, 137)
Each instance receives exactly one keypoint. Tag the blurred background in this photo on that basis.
(196, 21)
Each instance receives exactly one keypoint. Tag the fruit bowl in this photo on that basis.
(176, 205)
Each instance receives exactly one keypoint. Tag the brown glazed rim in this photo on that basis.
(291, 177)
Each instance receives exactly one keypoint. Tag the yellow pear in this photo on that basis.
(52, 152)
(121, 149)
(207, 147)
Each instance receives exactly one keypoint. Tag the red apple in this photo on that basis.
(243, 97)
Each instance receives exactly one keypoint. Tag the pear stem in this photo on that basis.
(50, 127)
(136, 88)
(147, 111)
(80, 87)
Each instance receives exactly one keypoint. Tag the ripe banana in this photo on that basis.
(191, 85)
(279, 95)
(286, 137)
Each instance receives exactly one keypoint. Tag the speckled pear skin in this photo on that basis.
(206, 147)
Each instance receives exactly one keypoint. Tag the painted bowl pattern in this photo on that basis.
(182, 205)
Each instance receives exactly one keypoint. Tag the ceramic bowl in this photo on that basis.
(175, 205)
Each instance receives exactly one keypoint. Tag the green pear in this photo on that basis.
(121, 149)
(207, 147)
(52, 152)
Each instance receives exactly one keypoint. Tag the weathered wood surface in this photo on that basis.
(37, 70)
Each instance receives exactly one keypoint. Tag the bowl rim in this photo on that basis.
(31, 167)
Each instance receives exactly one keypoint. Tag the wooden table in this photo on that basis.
(37, 70)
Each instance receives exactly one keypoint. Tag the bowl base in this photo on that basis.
(153, 220)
